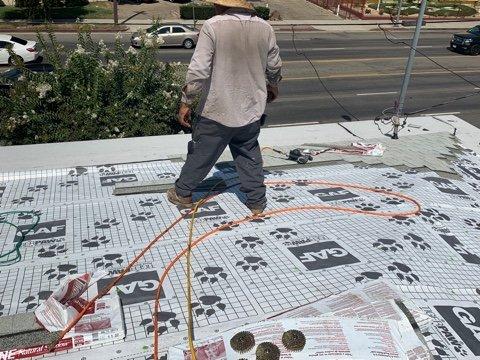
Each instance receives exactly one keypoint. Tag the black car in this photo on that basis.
(468, 43)
(10, 76)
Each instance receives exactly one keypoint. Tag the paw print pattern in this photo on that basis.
(403, 272)
(2, 307)
(95, 242)
(22, 200)
(29, 215)
(367, 207)
(402, 220)
(142, 216)
(283, 198)
(259, 219)
(211, 274)
(277, 173)
(251, 263)
(432, 216)
(37, 188)
(108, 260)
(68, 183)
(149, 202)
(283, 233)
(106, 169)
(167, 175)
(208, 305)
(475, 205)
(61, 271)
(249, 242)
(361, 166)
(403, 185)
(411, 171)
(280, 187)
(51, 251)
(33, 301)
(473, 223)
(301, 182)
(106, 223)
(417, 241)
(387, 245)
(383, 188)
(78, 171)
(392, 201)
(368, 275)
(163, 318)
(228, 225)
(392, 175)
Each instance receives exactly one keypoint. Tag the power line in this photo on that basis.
(302, 53)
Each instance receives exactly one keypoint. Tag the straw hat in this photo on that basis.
(239, 4)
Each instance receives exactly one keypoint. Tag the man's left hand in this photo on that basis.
(184, 115)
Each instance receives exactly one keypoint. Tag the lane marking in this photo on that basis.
(367, 59)
(378, 93)
(372, 74)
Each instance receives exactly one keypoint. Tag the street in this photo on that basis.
(363, 71)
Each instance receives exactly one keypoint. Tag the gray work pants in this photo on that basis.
(209, 140)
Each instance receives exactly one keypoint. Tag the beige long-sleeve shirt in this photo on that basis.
(236, 56)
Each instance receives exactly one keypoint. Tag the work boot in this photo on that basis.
(256, 210)
(179, 200)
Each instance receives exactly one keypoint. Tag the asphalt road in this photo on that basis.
(362, 70)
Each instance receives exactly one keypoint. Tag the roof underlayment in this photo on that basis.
(258, 268)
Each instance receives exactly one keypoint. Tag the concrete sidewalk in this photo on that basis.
(334, 25)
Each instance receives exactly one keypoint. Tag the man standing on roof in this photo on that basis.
(236, 69)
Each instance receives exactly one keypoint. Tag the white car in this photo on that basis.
(27, 50)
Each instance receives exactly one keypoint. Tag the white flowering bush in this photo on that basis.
(94, 93)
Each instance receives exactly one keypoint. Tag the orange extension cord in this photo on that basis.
(416, 211)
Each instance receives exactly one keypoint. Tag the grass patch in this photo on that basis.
(26, 27)
(97, 10)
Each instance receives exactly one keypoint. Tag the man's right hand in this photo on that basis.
(184, 115)
(272, 93)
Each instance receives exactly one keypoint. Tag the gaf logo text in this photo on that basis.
(460, 249)
(445, 186)
(135, 287)
(115, 179)
(43, 230)
(211, 208)
(333, 194)
(465, 321)
(322, 255)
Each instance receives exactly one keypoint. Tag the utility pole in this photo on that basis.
(115, 12)
(408, 71)
(397, 21)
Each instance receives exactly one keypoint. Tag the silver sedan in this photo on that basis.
(171, 34)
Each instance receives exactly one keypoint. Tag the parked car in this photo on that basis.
(468, 43)
(172, 35)
(25, 49)
(8, 78)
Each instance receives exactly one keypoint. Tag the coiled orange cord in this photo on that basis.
(220, 228)
(279, 212)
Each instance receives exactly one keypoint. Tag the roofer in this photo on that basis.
(236, 69)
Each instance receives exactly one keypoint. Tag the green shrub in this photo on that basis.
(72, 3)
(94, 93)
(205, 12)
(202, 12)
(263, 12)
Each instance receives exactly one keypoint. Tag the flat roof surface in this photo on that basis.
(262, 266)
